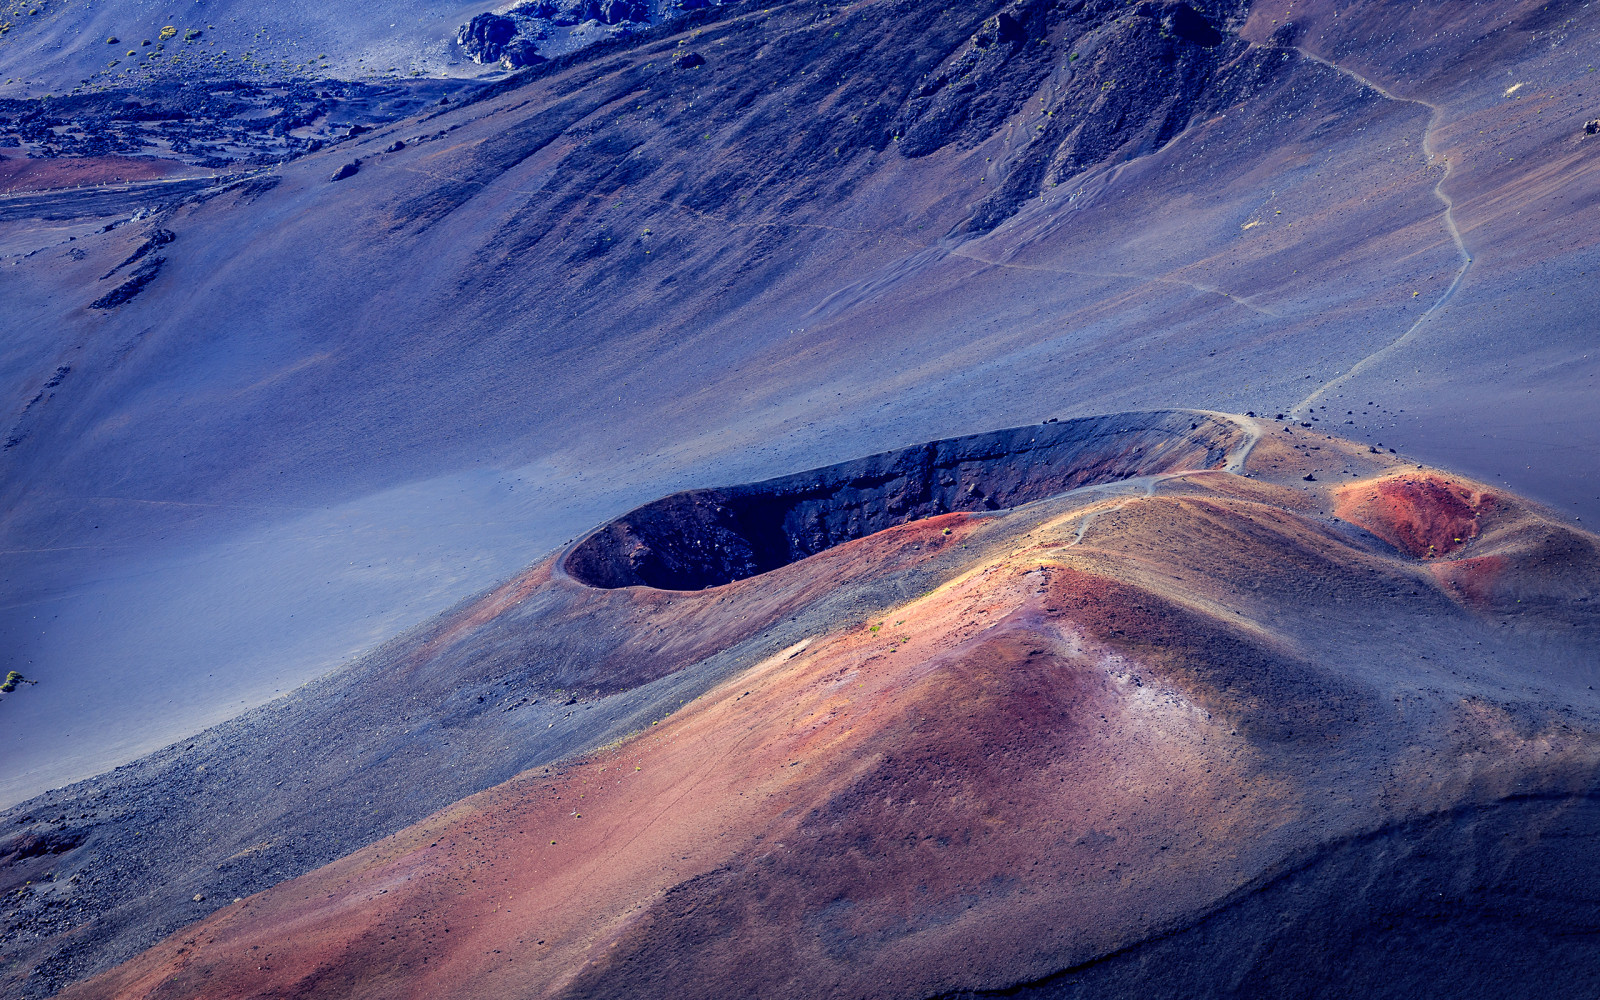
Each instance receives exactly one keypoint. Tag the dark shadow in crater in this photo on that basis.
(704, 538)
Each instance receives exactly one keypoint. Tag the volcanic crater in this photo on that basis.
(703, 538)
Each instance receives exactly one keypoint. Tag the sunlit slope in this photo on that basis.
(1149, 741)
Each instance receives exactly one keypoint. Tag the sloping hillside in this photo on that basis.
(1190, 735)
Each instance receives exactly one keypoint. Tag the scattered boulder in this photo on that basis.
(348, 170)
(688, 60)
(1592, 127)
(395, 147)
(356, 130)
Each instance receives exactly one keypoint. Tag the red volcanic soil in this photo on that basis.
(1488, 549)
(19, 174)
(1424, 514)
(1132, 709)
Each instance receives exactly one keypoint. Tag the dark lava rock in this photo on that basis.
(141, 276)
(357, 129)
(688, 60)
(1592, 127)
(395, 147)
(1183, 21)
(619, 11)
(348, 170)
(485, 37)
(520, 52)
(158, 238)
(568, 12)
(36, 844)
(1285, 35)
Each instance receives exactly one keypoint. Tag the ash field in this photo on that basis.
(881, 499)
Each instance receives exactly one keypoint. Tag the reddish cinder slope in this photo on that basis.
(1425, 515)
(1142, 709)
(1487, 548)
(20, 174)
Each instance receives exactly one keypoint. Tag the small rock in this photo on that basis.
(199, 897)
(1308, 477)
(395, 147)
(1592, 127)
(688, 60)
(348, 170)
(356, 130)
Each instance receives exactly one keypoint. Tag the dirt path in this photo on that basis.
(1435, 113)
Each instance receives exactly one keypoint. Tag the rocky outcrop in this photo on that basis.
(512, 39)
(137, 279)
(157, 239)
(566, 12)
(485, 37)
